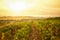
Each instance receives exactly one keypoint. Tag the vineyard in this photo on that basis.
(30, 29)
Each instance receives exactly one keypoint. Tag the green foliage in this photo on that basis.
(39, 29)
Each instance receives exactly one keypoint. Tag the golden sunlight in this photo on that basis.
(18, 6)
(29, 7)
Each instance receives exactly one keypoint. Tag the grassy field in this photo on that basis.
(30, 29)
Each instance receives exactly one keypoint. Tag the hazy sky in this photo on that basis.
(29, 7)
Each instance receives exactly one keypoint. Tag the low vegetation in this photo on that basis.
(34, 29)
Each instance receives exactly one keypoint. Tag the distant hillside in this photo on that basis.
(23, 17)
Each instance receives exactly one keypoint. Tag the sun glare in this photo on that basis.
(17, 7)
(29, 7)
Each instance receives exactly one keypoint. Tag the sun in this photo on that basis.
(18, 6)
